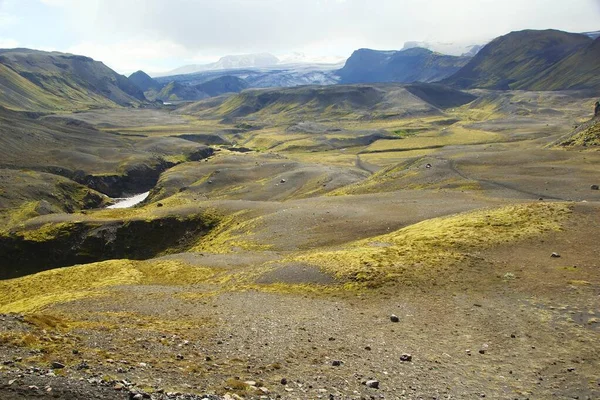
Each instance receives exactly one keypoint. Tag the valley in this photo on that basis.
(397, 240)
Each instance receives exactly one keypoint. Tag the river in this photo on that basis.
(130, 201)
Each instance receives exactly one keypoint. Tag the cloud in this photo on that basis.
(6, 43)
(273, 25)
(127, 56)
(6, 18)
(205, 29)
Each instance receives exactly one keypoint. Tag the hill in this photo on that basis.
(406, 66)
(520, 60)
(581, 70)
(144, 82)
(586, 135)
(41, 81)
(332, 102)
(222, 85)
(177, 91)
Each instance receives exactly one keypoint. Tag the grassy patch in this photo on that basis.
(426, 250)
(35, 292)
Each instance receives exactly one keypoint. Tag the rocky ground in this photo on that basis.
(515, 323)
(511, 312)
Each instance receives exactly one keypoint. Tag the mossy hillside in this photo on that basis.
(430, 250)
(588, 135)
(518, 60)
(41, 81)
(28, 194)
(332, 103)
(59, 244)
(455, 135)
(35, 292)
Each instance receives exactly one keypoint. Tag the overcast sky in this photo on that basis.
(158, 35)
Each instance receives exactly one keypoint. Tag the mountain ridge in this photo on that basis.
(519, 60)
(410, 65)
(34, 80)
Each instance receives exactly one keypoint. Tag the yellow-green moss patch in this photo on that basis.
(422, 250)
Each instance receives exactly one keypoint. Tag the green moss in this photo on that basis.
(427, 250)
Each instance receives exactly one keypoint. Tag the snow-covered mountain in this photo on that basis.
(302, 58)
(449, 48)
(593, 35)
(260, 60)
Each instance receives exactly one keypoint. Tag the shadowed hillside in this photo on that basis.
(144, 82)
(578, 71)
(522, 60)
(325, 102)
(412, 65)
(224, 84)
(176, 91)
(41, 81)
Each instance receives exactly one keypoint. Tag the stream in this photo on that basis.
(128, 202)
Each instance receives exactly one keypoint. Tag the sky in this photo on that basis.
(160, 35)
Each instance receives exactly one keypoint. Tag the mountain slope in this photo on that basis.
(41, 81)
(518, 60)
(411, 65)
(175, 91)
(586, 135)
(144, 82)
(578, 71)
(354, 102)
(221, 85)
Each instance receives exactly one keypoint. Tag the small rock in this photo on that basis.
(372, 384)
(394, 318)
(33, 387)
(482, 351)
(428, 166)
(83, 365)
(406, 358)
(118, 386)
(57, 365)
(250, 383)
(11, 381)
(264, 390)
(368, 348)
(75, 351)
(336, 363)
(159, 204)
(284, 381)
(137, 396)
(555, 255)
(595, 187)
(179, 356)
(283, 181)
